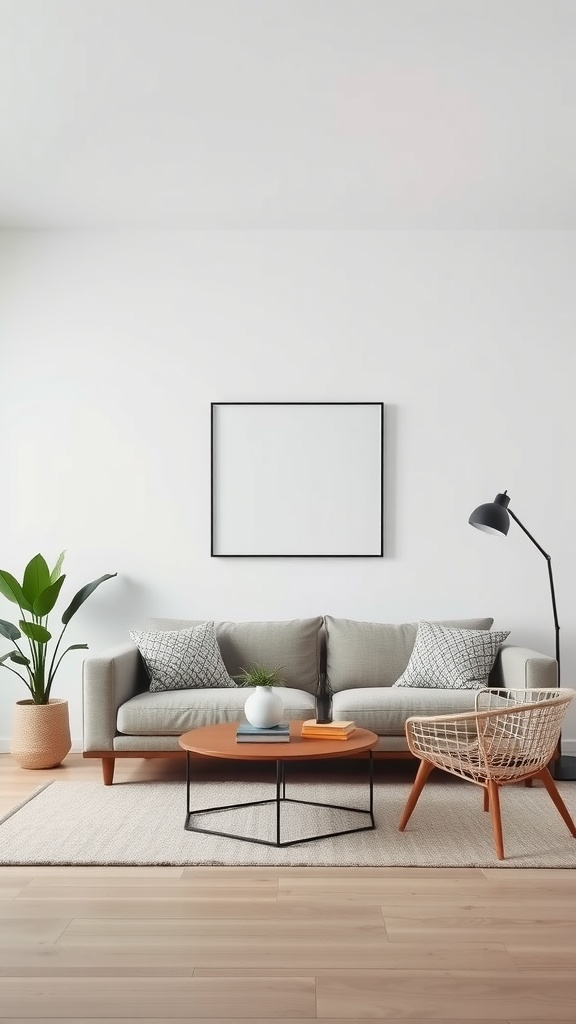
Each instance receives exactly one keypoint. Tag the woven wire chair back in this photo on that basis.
(511, 735)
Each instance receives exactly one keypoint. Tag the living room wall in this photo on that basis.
(114, 344)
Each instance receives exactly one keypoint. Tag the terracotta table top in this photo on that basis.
(220, 741)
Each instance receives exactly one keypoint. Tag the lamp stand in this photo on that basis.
(564, 768)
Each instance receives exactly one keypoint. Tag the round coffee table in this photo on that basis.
(220, 741)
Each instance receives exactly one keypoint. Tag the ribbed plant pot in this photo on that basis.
(40, 733)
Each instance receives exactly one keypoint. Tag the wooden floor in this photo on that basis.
(279, 944)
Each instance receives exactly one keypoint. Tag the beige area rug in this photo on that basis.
(142, 823)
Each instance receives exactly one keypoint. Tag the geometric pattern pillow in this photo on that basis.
(452, 659)
(182, 659)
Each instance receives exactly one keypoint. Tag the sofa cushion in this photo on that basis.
(360, 654)
(293, 645)
(457, 659)
(178, 659)
(386, 709)
(176, 711)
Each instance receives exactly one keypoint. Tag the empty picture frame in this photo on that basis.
(297, 479)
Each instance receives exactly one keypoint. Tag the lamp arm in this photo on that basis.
(551, 578)
(528, 534)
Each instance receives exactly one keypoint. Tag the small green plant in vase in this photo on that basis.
(36, 597)
(263, 708)
(259, 676)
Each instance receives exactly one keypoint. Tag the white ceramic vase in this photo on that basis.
(264, 708)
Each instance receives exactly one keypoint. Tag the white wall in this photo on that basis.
(114, 345)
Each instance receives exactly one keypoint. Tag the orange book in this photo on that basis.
(323, 732)
(322, 736)
(311, 723)
(329, 730)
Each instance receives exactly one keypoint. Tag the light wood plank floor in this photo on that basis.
(280, 945)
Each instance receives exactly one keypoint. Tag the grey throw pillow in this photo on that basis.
(452, 659)
(183, 659)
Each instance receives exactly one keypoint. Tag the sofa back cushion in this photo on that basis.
(292, 645)
(374, 653)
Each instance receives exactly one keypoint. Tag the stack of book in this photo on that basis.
(247, 733)
(314, 730)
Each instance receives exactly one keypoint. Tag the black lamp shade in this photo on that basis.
(492, 517)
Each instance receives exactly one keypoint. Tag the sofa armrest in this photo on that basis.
(518, 668)
(108, 680)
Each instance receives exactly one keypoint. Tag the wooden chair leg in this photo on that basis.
(494, 797)
(548, 781)
(486, 798)
(421, 776)
(108, 765)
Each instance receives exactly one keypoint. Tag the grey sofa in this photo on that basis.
(362, 660)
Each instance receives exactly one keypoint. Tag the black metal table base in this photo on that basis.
(279, 800)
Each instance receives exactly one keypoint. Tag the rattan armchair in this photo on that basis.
(511, 737)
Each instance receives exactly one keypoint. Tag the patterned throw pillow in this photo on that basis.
(183, 659)
(452, 659)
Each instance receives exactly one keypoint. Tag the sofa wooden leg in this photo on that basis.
(108, 764)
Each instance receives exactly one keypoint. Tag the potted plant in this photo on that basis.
(41, 733)
(263, 708)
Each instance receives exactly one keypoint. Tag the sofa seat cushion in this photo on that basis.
(385, 709)
(172, 712)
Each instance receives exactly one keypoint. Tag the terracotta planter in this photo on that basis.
(40, 733)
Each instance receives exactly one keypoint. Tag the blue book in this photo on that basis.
(245, 729)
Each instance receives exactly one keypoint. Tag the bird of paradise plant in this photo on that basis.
(36, 597)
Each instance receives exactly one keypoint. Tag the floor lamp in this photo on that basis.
(494, 517)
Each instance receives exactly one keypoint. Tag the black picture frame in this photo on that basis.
(361, 504)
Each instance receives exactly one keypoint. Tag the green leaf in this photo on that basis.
(82, 596)
(55, 574)
(45, 601)
(36, 578)
(10, 631)
(11, 589)
(20, 659)
(3, 661)
(34, 631)
(259, 675)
